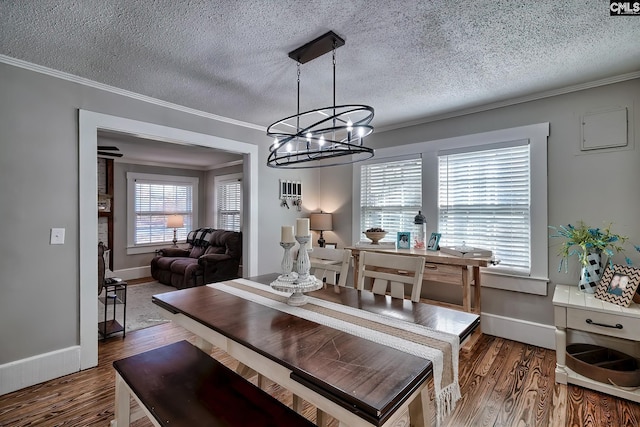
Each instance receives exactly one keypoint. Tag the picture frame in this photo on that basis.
(618, 284)
(404, 240)
(434, 241)
(331, 245)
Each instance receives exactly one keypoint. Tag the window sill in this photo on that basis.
(149, 249)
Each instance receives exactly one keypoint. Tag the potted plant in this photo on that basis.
(588, 244)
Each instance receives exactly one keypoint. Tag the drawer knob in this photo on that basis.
(616, 326)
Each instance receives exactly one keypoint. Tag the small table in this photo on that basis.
(117, 292)
(580, 311)
(439, 267)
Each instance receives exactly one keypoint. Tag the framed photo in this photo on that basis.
(434, 240)
(618, 284)
(404, 240)
(331, 245)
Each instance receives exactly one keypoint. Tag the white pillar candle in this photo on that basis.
(302, 227)
(286, 235)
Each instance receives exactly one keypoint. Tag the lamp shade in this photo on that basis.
(175, 221)
(321, 221)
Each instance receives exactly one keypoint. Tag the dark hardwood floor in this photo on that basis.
(504, 383)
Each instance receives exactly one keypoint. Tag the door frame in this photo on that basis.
(89, 125)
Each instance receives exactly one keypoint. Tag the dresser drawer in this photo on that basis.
(443, 273)
(592, 321)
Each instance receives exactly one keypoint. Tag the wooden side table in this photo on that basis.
(575, 310)
(114, 292)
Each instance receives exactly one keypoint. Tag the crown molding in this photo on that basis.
(448, 115)
(226, 165)
(514, 101)
(81, 80)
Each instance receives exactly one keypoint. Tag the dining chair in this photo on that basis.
(391, 272)
(329, 264)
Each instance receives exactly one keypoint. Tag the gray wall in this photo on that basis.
(39, 283)
(597, 187)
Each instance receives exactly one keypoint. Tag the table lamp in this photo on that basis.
(175, 222)
(321, 222)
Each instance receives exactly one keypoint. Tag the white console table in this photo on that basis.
(580, 311)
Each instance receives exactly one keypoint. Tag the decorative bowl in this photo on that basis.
(375, 236)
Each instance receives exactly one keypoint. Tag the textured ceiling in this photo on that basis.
(410, 60)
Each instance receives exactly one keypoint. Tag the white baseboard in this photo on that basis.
(133, 273)
(34, 370)
(519, 330)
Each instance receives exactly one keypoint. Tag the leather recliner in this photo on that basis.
(212, 256)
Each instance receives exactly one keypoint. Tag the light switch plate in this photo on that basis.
(57, 236)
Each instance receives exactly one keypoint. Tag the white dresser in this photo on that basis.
(588, 316)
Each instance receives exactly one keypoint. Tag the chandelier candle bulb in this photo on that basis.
(286, 234)
(302, 227)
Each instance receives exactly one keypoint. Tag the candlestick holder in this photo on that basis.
(303, 263)
(303, 281)
(288, 275)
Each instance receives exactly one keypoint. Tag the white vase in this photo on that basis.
(591, 273)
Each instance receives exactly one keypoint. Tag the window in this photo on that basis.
(228, 202)
(390, 195)
(151, 199)
(484, 201)
(524, 259)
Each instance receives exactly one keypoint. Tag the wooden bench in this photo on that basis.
(180, 385)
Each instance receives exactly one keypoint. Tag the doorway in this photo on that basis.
(89, 125)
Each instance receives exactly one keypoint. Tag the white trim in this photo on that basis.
(519, 330)
(133, 273)
(131, 178)
(537, 135)
(232, 177)
(89, 125)
(125, 160)
(86, 82)
(37, 369)
(225, 165)
(145, 249)
(23, 373)
(457, 113)
(509, 282)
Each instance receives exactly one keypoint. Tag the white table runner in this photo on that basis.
(442, 349)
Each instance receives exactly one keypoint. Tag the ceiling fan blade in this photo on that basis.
(104, 153)
(108, 148)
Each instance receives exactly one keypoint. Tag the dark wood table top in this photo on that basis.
(351, 371)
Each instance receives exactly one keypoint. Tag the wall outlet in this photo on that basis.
(57, 236)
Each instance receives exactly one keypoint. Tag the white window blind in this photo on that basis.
(390, 195)
(229, 204)
(154, 201)
(484, 201)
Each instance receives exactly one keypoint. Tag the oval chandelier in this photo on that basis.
(327, 136)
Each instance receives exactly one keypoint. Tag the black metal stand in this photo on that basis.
(113, 292)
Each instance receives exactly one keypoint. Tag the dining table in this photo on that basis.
(362, 358)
